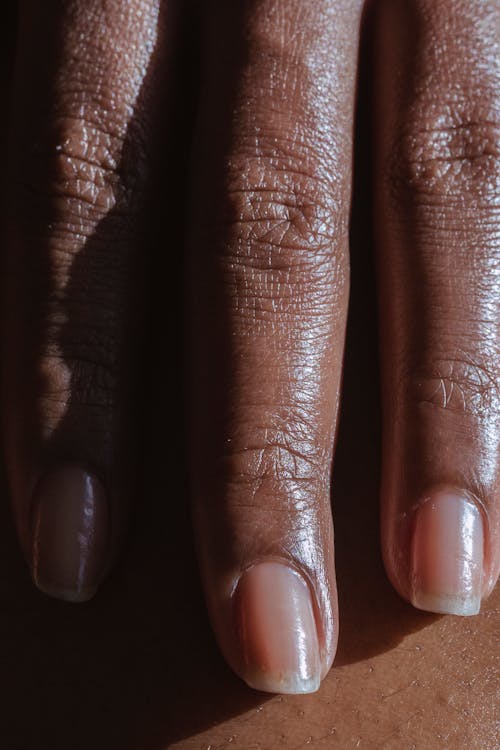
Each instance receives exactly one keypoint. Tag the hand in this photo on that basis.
(267, 220)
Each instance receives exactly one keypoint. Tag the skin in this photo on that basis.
(143, 649)
(440, 374)
(267, 206)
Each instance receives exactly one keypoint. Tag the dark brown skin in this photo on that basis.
(96, 135)
(439, 251)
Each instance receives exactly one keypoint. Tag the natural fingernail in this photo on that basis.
(277, 630)
(447, 555)
(69, 534)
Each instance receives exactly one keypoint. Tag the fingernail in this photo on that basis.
(69, 534)
(277, 630)
(447, 555)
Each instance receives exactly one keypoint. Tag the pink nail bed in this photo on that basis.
(277, 630)
(447, 555)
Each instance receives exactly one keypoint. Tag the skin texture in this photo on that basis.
(266, 219)
(136, 668)
(271, 243)
(438, 167)
(79, 173)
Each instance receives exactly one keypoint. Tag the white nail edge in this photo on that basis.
(447, 605)
(289, 684)
(67, 595)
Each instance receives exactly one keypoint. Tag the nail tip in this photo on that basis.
(67, 595)
(285, 685)
(442, 605)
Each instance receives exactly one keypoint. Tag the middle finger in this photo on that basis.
(270, 268)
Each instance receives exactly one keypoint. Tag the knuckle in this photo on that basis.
(450, 159)
(279, 216)
(459, 385)
(283, 471)
(77, 169)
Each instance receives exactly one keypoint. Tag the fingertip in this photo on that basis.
(447, 554)
(276, 629)
(66, 595)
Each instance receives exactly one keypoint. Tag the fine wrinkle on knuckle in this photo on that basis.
(281, 467)
(449, 159)
(278, 218)
(295, 323)
(298, 148)
(78, 168)
(459, 385)
(287, 227)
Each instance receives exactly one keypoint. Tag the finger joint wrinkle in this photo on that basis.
(449, 159)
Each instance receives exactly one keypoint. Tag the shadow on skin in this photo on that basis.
(137, 668)
(374, 618)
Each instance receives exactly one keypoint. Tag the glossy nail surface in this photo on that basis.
(277, 630)
(447, 555)
(69, 534)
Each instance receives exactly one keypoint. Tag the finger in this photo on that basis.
(83, 120)
(270, 224)
(438, 222)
